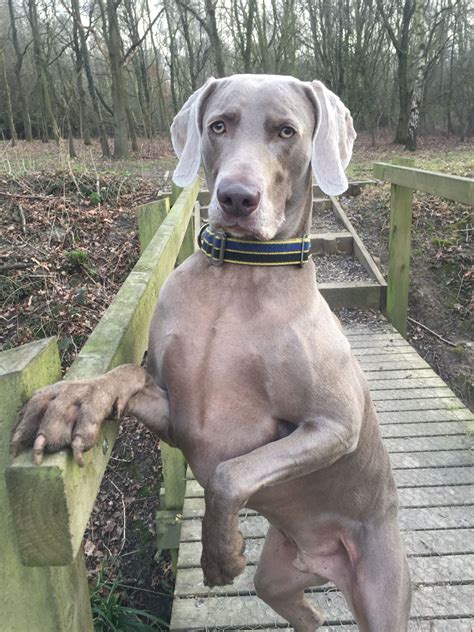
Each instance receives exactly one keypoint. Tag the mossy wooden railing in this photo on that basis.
(405, 179)
(49, 505)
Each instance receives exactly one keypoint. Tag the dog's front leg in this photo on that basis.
(70, 413)
(314, 445)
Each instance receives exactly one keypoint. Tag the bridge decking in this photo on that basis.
(425, 430)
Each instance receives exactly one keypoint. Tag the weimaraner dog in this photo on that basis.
(249, 372)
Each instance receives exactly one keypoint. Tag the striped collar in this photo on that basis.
(220, 247)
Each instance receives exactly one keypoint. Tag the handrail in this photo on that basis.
(454, 188)
(404, 181)
(51, 503)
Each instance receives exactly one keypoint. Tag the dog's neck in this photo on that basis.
(298, 210)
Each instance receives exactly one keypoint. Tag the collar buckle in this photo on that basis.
(303, 251)
(218, 252)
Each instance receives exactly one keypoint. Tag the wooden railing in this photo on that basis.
(405, 179)
(43, 519)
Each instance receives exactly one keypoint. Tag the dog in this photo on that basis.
(249, 372)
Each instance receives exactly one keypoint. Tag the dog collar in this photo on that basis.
(220, 247)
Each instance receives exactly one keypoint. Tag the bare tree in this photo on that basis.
(400, 41)
(20, 55)
(11, 122)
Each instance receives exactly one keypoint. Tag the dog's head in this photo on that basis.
(258, 137)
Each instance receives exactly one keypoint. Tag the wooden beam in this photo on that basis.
(451, 187)
(361, 294)
(360, 251)
(149, 217)
(34, 598)
(51, 504)
(401, 201)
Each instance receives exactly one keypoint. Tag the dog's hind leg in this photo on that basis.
(282, 586)
(380, 592)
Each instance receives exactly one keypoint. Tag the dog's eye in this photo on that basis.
(218, 127)
(286, 132)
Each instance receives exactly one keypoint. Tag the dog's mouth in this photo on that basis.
(252, 227)
(243, 229)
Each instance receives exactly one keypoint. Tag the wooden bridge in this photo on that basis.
(424, 426)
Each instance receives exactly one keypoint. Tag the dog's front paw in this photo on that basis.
(222, 559)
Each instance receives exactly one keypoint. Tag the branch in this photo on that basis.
(104, 103)
(433, 333)
(388, 26)
(201, 20)
(138, 42)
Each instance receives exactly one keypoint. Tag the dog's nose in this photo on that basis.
(237, 198)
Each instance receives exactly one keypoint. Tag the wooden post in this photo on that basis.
(399, 251)
(150, 218)
(175, 193)
(189, 240)
(172, 459)
(45, 599)
(52, 503)
(197, 224)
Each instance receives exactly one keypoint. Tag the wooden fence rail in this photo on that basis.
(50, 505)
(405, 180)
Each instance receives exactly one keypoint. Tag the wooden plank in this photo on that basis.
(451, 187)
(356, 294)
(417, 625)
(408, 405)
(386, 350)
(331, 243)
(173, 463)
(150, 217)
(418, 544)
(374, 335)
(420, 444)
(49, 514)
(399, 374)
(425, 571)
(441, 459)
(459, 495)
(410, 519)
(413, 393)
(420, 459)
(390, 383)
(174, 476)
(387, 362)
(401, 202)
(379, 326)
(416, 416)
(387, 342)
(360, 250)
(403, 477)
(249, 611)
(423, 429)
(56, 597)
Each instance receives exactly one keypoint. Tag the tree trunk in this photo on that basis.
(119, 97)
(11, 122)
(45, 98)
(215, 40)
(418, 86)
(132, 129)
(79, 63)
(403, 98)
(104, 143)
(18, 66)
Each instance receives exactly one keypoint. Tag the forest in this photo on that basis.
(119, 70)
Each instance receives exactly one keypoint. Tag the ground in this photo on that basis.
(68, 240)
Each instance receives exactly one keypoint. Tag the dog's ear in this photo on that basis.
(186, 136)
(333, 140)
